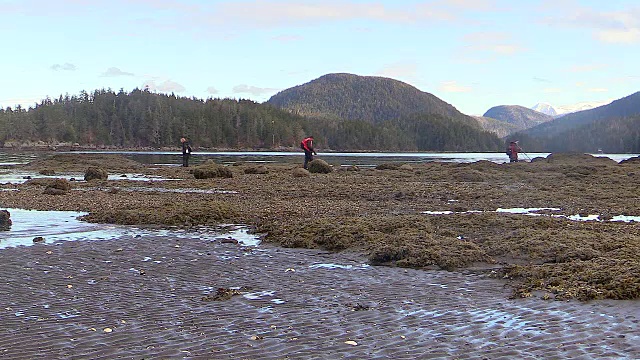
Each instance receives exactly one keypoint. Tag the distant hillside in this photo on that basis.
(519, 116)
(368, 98)
(627, 106)
(498, 127)
(617, 135)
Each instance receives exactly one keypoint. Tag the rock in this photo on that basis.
(53, 191)
(210, 170)
(319, 166)
(5, 220)
(95, 173)
(300, 172)
(38, 239)
(261, 169)
(47, 172)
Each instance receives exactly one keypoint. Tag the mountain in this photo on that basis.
(613, 128)
(368, 98)
(556, 111)
(519, 116)
(626, 106)
(500, 128)
(545, 109)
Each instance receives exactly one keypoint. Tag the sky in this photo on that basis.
(473, 54)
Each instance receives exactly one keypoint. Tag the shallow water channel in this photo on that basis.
(57, 226)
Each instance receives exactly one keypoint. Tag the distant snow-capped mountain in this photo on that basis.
(556, 111)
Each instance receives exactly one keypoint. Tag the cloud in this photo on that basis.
(164, 87)
(64, 67)
(487, 46)
(211, 90)
(598, 90)
(542, 80)
(253, 90)
(404, 70)
(617, 27)
(288, 38)
(280, 13)
(114, 72)
(453, 86)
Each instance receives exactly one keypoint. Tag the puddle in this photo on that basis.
(164, 190)
(20, 177)
(337, 266)
(536, 212)
(56, 226)
(262, 294)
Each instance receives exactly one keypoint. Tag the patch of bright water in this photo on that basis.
(337, 266)
(20, 177)
(535, 212)
(55, 226)
(164, 190)
(261, 294)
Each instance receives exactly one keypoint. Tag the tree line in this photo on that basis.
(144, 119)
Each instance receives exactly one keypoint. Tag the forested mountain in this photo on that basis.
(617, 135)
(625, 107)
(498, 127)
(368, 98)
(144, 119)
(519, 116)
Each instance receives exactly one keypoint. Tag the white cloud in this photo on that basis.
(485, 46)
(211, 90)
(164, 87)
(453, 86)
(253, 90)
(64, 67)
(622, 27)
(400, 70)
(114, 72)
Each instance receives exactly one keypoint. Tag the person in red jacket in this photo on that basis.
(307, 146)
(513, 150)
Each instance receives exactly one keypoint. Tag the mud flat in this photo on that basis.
(156, 297)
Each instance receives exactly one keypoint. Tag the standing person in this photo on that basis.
(307, 146)
(186, 152)
(513, 150)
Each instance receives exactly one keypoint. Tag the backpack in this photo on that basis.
(302, 145)
(509, 152)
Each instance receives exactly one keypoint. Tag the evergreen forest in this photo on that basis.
(142, 119)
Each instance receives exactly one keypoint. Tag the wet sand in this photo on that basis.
(152, 293)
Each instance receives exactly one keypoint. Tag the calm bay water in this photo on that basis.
(164, 158)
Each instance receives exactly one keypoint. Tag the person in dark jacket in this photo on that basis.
(513, 150)
(307, 146)
(186, 152)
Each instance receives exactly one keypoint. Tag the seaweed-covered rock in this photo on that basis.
(5, 220)
(319, 166)
(210, 170)
(300, 172)
(260, 169)
(388, 166)
(47, 172)
(54, 191)
(406, 167)
(95, 173)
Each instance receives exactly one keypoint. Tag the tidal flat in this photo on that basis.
(433, 215)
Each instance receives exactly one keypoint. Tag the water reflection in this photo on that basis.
(363, 159)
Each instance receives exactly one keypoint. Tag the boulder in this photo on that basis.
(210, 170)
(319, 166)
(300, 172)
(5, 220)
(95, 173)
